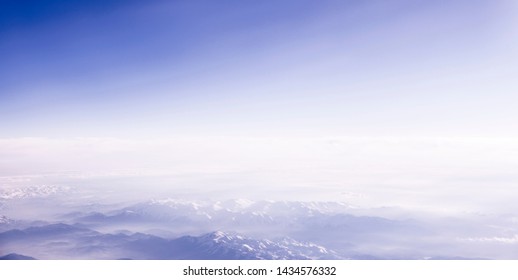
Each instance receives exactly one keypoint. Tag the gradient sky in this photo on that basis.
(358, 92)
(127, 68)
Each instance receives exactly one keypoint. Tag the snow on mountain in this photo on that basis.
(226, 244)
(245, 205)
(62, 241)
(235, 212)
(324, 223)
(172, 217)
(4, 220)
(176, 229)
(31, 192)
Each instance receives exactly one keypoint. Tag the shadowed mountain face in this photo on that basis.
(16, 257)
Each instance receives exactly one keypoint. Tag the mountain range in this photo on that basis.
(73, 241)
(52, 222)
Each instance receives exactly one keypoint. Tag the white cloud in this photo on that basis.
(441, 174)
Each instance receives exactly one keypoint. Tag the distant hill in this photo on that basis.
(16, 257)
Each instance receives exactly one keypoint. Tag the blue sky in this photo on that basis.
(377, 97)
(127, 68)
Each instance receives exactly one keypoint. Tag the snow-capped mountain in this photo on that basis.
(238, 229)
(228, 215)
(234, 246)
(326, 223)
(258, 207)
(31, 192)
(62, 241)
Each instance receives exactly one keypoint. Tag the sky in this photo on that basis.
(369, 96)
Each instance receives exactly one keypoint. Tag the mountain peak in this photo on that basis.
(222, 237)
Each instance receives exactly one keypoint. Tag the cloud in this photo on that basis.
(495, 239)
(429, 173)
